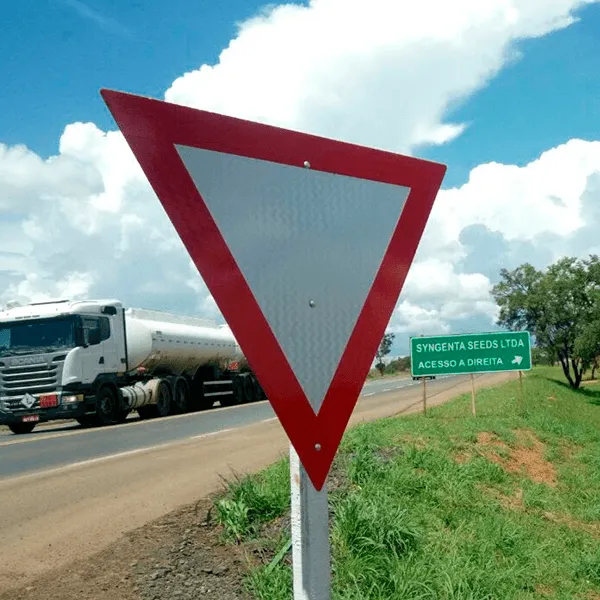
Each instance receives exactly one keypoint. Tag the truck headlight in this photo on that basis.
(71, 398)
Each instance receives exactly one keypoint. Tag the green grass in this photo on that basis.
(443, 508)
(253, 501)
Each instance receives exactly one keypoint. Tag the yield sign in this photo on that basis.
(303, 242)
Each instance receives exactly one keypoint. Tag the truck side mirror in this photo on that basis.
(94, 337)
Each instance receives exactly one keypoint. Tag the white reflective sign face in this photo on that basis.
(308, 243)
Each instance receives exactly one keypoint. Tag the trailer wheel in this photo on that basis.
(181, 395)
(259, 393)
(249, 392)
(21, 428)
(164, 398)
(107, 409)
(237, 384)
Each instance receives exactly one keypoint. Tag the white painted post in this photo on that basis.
(310, 535)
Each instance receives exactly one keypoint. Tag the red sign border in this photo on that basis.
(152, 128)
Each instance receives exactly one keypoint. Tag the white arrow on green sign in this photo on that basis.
(470, 353)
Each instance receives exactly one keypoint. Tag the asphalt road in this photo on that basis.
(60, 445)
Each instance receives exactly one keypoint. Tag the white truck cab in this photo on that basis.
(52, 353)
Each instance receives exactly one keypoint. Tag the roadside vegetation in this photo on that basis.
(560, 307)
(449, 506)
(394, 368)
(391, 368)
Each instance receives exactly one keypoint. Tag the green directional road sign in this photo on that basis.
(470, 353)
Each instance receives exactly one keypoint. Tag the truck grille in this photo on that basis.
(34, 379)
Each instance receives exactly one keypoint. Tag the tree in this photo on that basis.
(398, 365)
(385, 347)
(587, 346)
(556, 307)
(404, 363)
(517, 296)
(539, 356)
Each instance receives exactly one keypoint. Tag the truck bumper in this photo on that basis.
(42, 415)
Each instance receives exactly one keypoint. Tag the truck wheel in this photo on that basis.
(20, 428)
(163, 398)
(107, 408)
(249, 391)
(237, 385)
(259, 393)
(181, 395)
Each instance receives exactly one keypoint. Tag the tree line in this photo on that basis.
(560, 307)
(397, 365)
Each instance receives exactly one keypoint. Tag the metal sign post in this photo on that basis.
(304, 243)
(310, 535)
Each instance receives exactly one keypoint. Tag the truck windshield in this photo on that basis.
(35, 336)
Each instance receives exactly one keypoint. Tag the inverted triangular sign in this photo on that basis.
(304, 243)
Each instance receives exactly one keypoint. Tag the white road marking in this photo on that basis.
(69, 432)
(109, 457)
(41, 435)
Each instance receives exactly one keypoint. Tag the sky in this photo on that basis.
(504, 92)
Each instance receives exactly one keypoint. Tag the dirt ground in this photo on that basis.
(527, 457)
(155, 542)
(177, 556)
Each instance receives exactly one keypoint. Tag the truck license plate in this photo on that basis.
(30, 418)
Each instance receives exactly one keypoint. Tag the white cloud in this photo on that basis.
(503, 216)
(39, 289)
(434, 280)
(112, 239)
(27, 182)
(411, 319)
(434, 295)
(523, 202)
(383, 73)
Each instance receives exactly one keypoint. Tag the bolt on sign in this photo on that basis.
(470, 353)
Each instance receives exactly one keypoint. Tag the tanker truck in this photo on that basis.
(95, 362)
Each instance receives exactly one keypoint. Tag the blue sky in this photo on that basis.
(64, 51)
(383, 73)
(549, 95)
